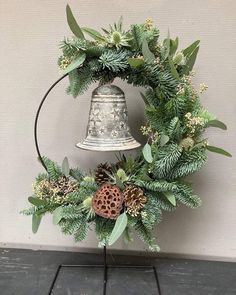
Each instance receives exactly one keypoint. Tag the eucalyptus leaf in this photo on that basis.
(171, 198)
(191, 61)
(173, 45)
(120, 225)
(218, 150)
(164, 139)
(166, 44)
(73, 23)
(147, 54)
(173, 70)
(57, 215)
(122, 175)
(65, 167)
(75, 64)
(36, 219)
(199, 144)
(217, 124)
(147, 153)
(189, 50)
(37, 202)
(94, 34)
(119, 182)
(135, 62)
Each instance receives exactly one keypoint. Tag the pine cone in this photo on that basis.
(134, 199)
(101, 176)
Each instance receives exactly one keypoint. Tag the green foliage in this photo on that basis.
(73, 24)
(155, 118)
(151, 98)
(174, 129)
(80, 80)
(74, 222)
(115, 61)
(36, 220)
(120, 225)
(76, 227)
(77, 174)
(147, 153)
(185, 195)
(188, 163)
(152, 213)
(87, 188)
(144, 233)
(103, 229)
(139, 33)
(218, 150)
(54, 171)
(71, 47)
(157, 185)
(167, 158)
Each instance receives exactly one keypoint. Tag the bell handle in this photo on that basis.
(37, 117)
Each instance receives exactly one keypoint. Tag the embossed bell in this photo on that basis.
(108, 128)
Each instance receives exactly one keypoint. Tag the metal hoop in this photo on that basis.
(37, 117)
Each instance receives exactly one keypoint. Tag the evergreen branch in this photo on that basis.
(167, 158)
(115, 61)
(189, 162)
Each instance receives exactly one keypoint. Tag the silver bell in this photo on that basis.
(108, 128)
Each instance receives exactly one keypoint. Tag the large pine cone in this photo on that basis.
(108, 201)
(134, 199)
(101, 176)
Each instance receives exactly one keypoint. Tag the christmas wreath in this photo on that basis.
(132, 193)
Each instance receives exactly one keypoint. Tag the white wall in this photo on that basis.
(30, 33)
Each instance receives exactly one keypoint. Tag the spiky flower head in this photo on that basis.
(179, 58)
(117, 37)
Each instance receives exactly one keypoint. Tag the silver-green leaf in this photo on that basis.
(57, 215)
(94, 34)
(147, 153)
(147, 54)
(76, 30)
(171, 198)
(189, 50)
(164, 139)
(173, 70)
(218, 150)
(76, 63)
(37, 202)
(36, 219)
(217, 124)
(191, 61)
(65, 167)
(120, 225)
(135, 62)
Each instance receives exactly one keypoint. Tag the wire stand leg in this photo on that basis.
(104, 270)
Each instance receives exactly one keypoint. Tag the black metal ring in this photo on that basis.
(37, 117)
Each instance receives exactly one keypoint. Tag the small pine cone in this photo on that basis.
(66, 186)
(101, 176)
(134, 199)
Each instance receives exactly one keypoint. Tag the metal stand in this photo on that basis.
(104, 265)
(105, 268)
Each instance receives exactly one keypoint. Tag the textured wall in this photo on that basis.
(30, 33)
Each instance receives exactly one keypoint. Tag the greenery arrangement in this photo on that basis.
(132, 193)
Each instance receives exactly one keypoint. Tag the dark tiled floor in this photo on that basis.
(26, 272)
